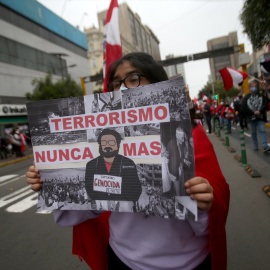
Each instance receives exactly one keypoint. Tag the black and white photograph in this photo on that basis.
(184, 209)
(164, 93)
(178, 164)
(39, 114)
(152, 200)
(101, 102)
(63, 189)
(137, 156)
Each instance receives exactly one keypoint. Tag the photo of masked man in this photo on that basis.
(111, 176)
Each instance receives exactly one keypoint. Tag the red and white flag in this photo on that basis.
(195, 101)
(204, 97)
(112, 47)
(232, 77)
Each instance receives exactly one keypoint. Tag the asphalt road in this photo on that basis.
(32, 241)
(29, 240)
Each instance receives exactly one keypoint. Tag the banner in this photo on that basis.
(126, 151)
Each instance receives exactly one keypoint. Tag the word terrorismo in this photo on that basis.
(125, 117)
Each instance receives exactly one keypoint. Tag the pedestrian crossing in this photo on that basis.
(20, 200)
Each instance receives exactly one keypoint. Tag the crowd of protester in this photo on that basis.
(247, 111)
(57, 195)
(14, 143)
(175, 99)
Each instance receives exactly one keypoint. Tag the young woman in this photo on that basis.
(134, 241)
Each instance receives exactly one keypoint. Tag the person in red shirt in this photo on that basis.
(218, 112)
(228, 114)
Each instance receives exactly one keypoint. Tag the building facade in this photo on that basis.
(95, 54)
(33, 41)
(135, 37)
(230, 60)
(175, 69)
(259, 56)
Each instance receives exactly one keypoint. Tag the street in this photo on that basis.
(32, 241)
(29, 240)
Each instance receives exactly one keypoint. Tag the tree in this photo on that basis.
(219, 89)
(99, 83)
(255, 18)
(46, 89)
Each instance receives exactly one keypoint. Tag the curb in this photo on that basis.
(237, 157)
(266, 190)
(253, 173)
(16, 160)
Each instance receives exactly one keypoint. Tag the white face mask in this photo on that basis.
(123, 88)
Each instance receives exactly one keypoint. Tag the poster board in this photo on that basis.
(125, 151)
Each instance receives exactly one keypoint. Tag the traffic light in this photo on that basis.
(242, 47)
(217, 98)
(83, 85)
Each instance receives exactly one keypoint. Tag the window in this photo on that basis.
(94, 63)
(139, 35)
(144, 40)
(132, 27)
(18, 54)
(148, 44)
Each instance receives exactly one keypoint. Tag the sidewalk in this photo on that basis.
(28, 153)
(248, 219)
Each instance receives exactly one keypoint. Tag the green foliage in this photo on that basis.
(219, 89)
(255, 18)
(99, 83)
(47, 89)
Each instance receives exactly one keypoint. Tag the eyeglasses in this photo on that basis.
(132, 80)
(110, 142)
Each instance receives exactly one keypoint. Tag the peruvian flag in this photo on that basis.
(204, 97)
(232, 77)
(112, 47)
(195, 101)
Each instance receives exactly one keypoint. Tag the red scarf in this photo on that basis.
(90, 238)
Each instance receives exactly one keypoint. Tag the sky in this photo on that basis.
(182, 26)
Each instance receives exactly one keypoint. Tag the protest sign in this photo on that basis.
(126, 151)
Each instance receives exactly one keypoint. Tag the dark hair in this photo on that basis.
(108, 131)
(149, 67)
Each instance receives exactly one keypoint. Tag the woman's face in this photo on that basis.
(127, 69)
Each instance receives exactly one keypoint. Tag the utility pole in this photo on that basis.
(245, 86)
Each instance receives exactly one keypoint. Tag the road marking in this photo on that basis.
(15, 196)
(7, 177)
(248, 135)
(12, 180)
(23, 205)
(44, 212)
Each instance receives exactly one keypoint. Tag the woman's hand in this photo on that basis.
(199, 189)
(33, 178)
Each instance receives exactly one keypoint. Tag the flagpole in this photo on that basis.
(254, 78)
